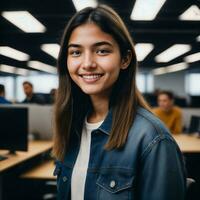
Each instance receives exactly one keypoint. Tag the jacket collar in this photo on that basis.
(107, 123)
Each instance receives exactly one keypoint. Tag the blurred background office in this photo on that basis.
(166, 34)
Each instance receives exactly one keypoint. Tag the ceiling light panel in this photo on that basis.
(13, 53)
(24, 21)
(146, 10)
(142, 50)
(192, 58)
(42, 67)
(170, 68)
(13, 70)
(80, 4)
(173, 52)
(191, 14)
(51, 49)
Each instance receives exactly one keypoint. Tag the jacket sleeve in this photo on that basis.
(162, 172)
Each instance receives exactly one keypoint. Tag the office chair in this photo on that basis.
(190, 184)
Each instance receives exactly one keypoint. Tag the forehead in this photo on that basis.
(163, 97)
(27, 86)
(88, 34)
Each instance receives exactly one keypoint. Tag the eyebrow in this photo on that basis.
(95, 44)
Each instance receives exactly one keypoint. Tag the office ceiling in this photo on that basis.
(162, 32)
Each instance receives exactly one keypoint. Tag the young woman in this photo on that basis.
(107, 144)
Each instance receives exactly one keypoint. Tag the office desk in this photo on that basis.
(42, 171)
(188, 143)
(34, 148)
(18, 161)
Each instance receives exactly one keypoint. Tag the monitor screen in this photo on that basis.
(194, 124)
(14, 128)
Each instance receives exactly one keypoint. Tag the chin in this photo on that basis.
(90, 92)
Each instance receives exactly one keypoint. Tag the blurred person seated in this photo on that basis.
(31, 97)
(53, 95)
(3, 100)
(170, 114)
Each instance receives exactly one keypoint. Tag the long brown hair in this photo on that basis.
(72, 104)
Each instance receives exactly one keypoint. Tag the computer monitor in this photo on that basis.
(13, 128)
(194, 124)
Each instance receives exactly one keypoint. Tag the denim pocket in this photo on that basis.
(115, 186)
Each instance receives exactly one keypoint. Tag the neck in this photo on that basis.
(29, 96)
(100, 109)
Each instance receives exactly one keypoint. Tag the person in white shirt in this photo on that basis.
(107, 143)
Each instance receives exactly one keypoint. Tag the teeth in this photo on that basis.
(91, 76)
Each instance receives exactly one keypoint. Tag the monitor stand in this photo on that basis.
(11, 152)
(3, 157)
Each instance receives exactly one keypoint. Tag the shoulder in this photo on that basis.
(3, 100)
(177, 109)
(156, 110)
(150, 123)
(148, 131)
(38, 98)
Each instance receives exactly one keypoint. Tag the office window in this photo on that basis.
(41, 83)
(193, 83)
(145, 83)
(8, 82)
(149, 83)
(140, 80)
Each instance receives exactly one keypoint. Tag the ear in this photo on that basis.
(126, 60)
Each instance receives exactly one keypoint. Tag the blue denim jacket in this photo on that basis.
(149, 167)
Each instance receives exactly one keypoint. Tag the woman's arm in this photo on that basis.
(162, 173)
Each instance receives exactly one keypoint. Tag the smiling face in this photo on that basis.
(28, 89)
(164, 102)
(93, 59)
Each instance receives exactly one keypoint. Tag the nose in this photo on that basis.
(88, 61)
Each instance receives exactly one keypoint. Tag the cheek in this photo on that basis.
(72, 65)
(109, 62)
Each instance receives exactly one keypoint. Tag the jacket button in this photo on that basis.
(64, 178)
(112, 184)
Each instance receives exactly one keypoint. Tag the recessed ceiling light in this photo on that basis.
(84, 3)
(192, 14)
(192, 58)
(198, 38)
(142, 50)
(146, 10)
(13, 70)
(25, 21)
(13, 53)
(170, 68)
(51, 49)
(173, 52)
(42, 67)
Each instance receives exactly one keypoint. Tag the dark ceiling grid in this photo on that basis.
(163, 32)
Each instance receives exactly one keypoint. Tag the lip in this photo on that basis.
(91, 78)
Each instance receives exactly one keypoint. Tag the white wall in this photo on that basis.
(172, 81)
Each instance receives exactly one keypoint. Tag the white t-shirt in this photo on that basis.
(80, 168)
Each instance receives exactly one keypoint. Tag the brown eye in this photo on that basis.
(103, 52)
(74, 53)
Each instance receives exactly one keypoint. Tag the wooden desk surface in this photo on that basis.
(42, 171)
(34, 148)
(188, 143)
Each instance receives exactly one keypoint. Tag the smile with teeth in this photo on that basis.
(91, 76)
